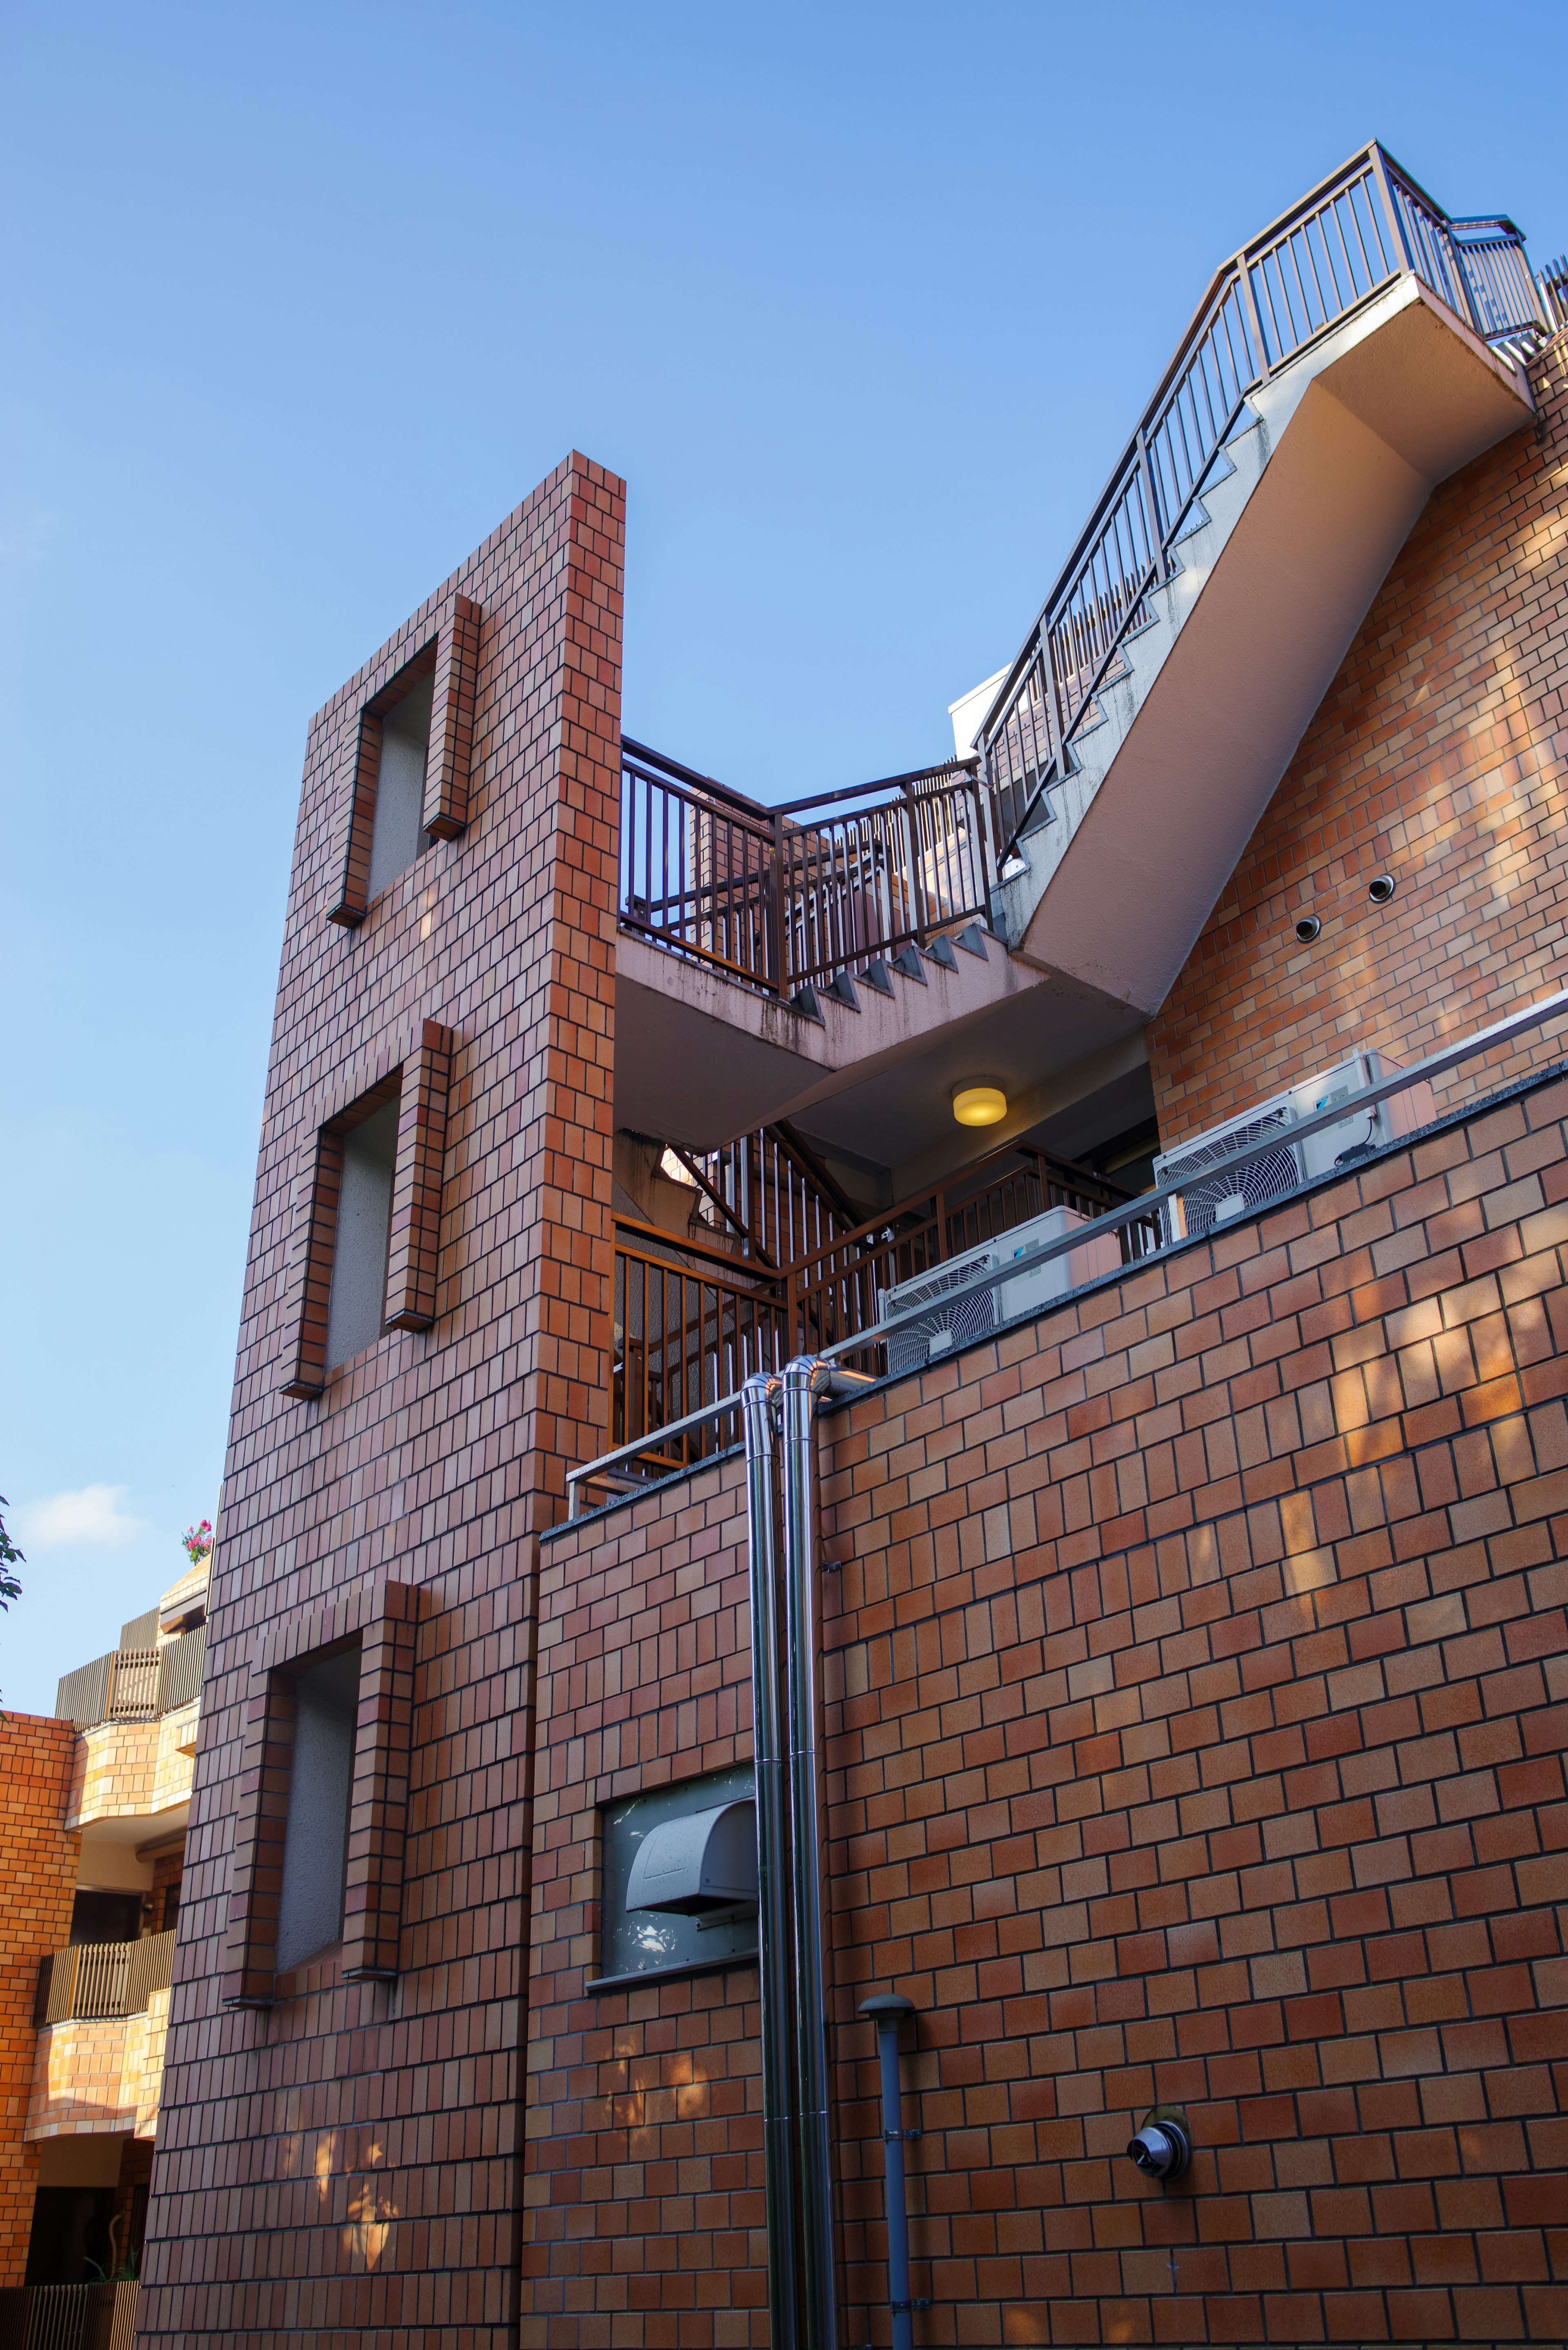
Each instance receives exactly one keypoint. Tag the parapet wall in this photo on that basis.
(1197, 1710)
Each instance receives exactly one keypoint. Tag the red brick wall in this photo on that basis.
(1197, 1717)
(345, 2162)
(1441, 756)
(38, 1865)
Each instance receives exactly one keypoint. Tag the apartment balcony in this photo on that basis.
(102, 2015)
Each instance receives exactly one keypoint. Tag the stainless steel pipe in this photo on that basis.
(803, 1381)
(774, 1948)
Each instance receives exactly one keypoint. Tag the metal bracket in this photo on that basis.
(896, 2136)
(908, 2304)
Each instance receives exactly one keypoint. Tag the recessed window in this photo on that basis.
(358, 1304)
(681, 1876)
(316, 1841)
(399, 834)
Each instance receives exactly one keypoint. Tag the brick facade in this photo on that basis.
(343, 2161)
(39, 1856)
(1441, 756)
(1197, 1717)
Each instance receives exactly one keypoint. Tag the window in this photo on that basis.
(357, 1306)
(408, 754)
(366, 1244)
(398, 834)
(316, 1840)
(680, 1887)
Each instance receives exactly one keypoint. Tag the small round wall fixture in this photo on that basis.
(1382, 889)
(1307, 929)
(980, 1103)
(1162, 2145)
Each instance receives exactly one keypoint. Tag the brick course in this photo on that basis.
(344, 2162)
(1197, 1710)
(1439, 754)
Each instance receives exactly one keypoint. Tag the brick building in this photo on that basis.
(93, 1805)
(1190, 1607)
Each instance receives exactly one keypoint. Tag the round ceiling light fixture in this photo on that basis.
(981, 1103)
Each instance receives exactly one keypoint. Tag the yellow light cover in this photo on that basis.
(980, 1105)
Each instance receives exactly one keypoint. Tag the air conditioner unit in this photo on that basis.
(1210, 1197)
(943, 1308)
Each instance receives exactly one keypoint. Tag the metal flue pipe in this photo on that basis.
(803, 1381)
(774, 1948)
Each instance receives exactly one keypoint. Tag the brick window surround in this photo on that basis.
(382, 1617)
(454, 655)
(417, 1068)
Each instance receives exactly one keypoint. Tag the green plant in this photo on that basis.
(11, 1558)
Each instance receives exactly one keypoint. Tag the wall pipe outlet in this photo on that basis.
(886, 2013)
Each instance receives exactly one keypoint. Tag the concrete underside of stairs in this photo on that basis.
(699, 1059)
(1196, 735)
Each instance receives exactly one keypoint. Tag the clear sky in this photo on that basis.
(299, 301)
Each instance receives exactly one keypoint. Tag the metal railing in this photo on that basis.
(1137, 1220)
(134, 1684)
(1362, 229)
(68, 2316)
(786, 897)
(95, 1981)
(691, 1321)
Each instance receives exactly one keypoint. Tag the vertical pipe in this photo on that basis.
(804, 1380)
(886, 2013)
(772, 1863)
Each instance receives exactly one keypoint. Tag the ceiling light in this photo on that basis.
(979, 1105)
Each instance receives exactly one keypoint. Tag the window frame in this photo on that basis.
(453, 654)
(417, 1068)
(383, 1618)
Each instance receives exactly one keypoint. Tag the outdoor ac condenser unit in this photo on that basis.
(1218, 1197)
(943, 1308)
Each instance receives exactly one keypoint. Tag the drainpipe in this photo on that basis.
(759, 1399)
(805, 1380)
(886, 2013)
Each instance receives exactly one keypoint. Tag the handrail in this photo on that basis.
(605, 1470)
(785, 898)
(1360, 230)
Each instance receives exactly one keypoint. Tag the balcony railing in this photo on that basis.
(134, 1684)
(68, 2316)
(95, 1981)
(785, 898)
(1330, 254)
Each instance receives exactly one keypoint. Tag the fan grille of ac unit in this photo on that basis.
(964, 1314)
(1265, 1178)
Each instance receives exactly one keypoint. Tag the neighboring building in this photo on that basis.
(1192, 1601)
(93, 1808)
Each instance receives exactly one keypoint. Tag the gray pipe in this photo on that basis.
(774, 1950)
(886, 2013)
(804, 1380)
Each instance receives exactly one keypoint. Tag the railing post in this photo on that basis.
(1148, 492)
(917, 879)
(776, 908)
(1254, 321)
(1390, 205)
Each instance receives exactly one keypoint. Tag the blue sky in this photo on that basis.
(299, 302)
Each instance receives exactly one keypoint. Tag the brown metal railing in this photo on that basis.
(694, 1321)
(1367, 225)
(689, 1327)
(786, 897)
(93, 1982)
(834, 1293)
